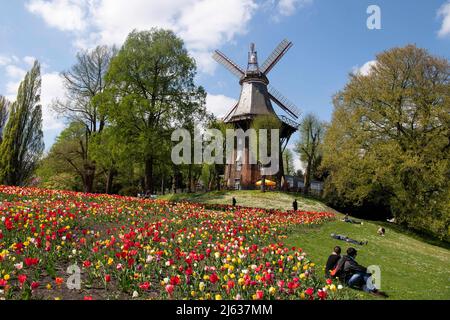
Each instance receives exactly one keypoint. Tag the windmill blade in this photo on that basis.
(227, 63)
(276, 55)
(283, 102)
(229, 113)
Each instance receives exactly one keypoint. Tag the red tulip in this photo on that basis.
(145, 285)
(259, 294)
(322, 294)
(22, 278)
(35, 285)
(309, 291)
(59, 281)
(174, 281)
(31, 261)
(8, 224)
(213, 278)
(169, 289)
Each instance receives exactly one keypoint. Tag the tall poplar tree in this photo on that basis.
(22, 144)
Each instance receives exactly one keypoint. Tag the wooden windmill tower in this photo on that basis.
(256, 100)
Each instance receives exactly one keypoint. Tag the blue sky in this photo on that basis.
(330, 40)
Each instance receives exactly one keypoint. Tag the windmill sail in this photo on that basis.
(276, 55)
(227, 63)
(283, 102)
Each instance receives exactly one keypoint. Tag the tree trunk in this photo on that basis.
(149, 175)
(174, 179)
(280, 174)
(217, 178)
(307, 178)
(109, 180)
(89, 176)
(162, 186)
(174, 184)
(189, 179)
(263, 183)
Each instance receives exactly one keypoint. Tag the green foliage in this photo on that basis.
(288, 162)
(309, 146)
(22, 144)
(389, 139)
(151, 92)
(65, 165)
(111, 154)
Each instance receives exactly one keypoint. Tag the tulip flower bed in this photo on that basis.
(150, 249)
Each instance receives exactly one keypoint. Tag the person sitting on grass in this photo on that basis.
(348, 220)
(381, 231)
(347, 239)
(355, 275)
(332, 261)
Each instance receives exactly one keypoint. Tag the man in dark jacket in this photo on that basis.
(355, 275)
(332, 260)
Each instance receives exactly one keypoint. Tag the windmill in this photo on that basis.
(256, 100)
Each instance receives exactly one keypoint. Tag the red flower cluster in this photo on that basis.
(31, 261)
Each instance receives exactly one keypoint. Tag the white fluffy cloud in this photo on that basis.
(29, 60)
(365, 69)
(14, 75)
(444, 12)
(203, 24)
(66, 15)
(52, 89)
(4, 60)
(219, 105)
(15, 72)
(289, 7)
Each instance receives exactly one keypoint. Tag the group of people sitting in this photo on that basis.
(346, 269)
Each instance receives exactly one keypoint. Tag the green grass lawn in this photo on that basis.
(252, 198)
(411, 267)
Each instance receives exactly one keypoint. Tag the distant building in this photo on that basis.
(296, 184)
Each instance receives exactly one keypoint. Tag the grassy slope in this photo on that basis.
(253, 198)
(410, 267)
